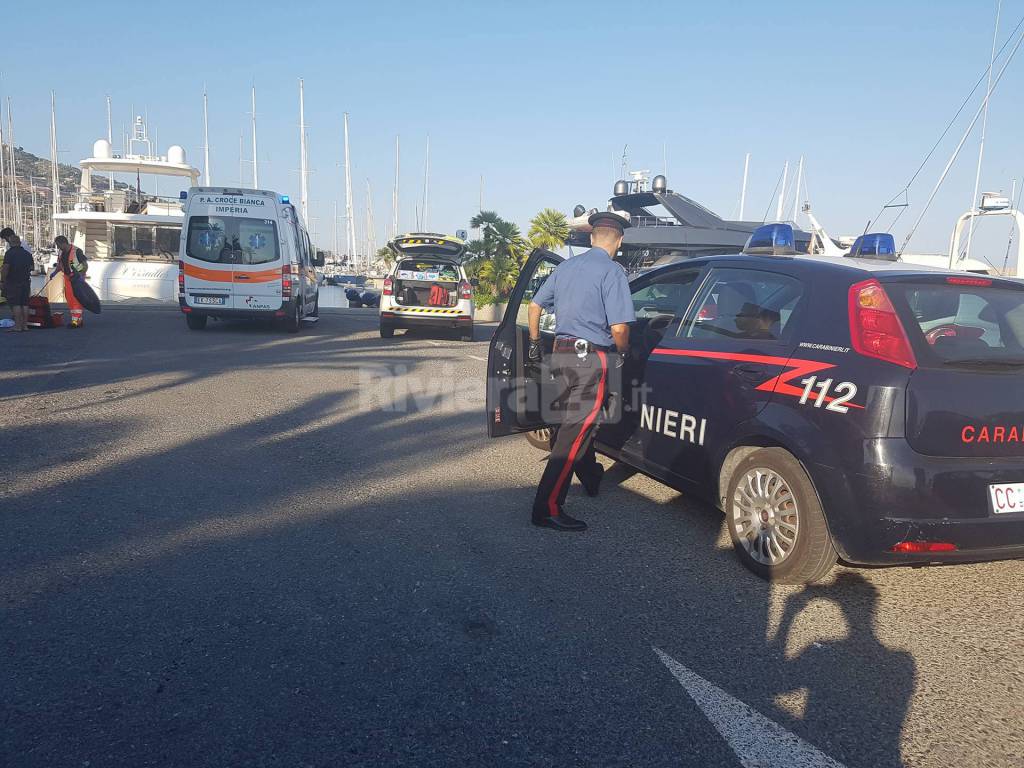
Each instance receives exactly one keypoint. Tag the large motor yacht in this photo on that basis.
(131, 238)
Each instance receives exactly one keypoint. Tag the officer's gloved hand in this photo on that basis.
(534, 352)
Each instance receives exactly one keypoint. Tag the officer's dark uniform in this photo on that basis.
(589, 293)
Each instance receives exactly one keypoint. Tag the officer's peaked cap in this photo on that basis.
(619, 221)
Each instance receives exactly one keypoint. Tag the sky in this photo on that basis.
(542, 98)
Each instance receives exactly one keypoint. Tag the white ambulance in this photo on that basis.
(245, 253)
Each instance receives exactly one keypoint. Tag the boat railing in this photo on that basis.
(653, 221)
(122, 201)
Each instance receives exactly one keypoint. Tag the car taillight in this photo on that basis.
(875, 328)
(286, 281)
(465, 290)
(924, 546)
(976, 282)
(181, 278)
(388, 286)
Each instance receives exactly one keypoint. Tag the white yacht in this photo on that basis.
(130, 238)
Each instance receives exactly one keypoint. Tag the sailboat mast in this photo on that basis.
(54, 168)
(303, 164)
(394, 194)
(984, 127)
(18, 223)
(110, 141)
(743, 189)
(350, 222)
(426, 184)
(796, 194)
(3, 177)
(255, 163)
(782, 192)
(334, 231)
(206, 141)
(371, 240)
(241, 158)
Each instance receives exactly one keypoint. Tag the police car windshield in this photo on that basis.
(232, 240)
(964, 324)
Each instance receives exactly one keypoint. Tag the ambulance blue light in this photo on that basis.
(284, 199)
(877, 244)
(183, 195)
(771, 236)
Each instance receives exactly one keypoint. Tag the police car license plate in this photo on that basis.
(208, 299)
(1007, 498)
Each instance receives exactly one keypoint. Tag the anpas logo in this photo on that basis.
(254, 302)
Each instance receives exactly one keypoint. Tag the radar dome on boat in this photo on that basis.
(101, 149)
(176, 154)
(660, 184)
(578, 211)
(621, 188)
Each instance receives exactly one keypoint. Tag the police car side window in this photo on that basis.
(743, 304)
(547, 319)
(666, 296)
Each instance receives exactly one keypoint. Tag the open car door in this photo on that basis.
(518, 391)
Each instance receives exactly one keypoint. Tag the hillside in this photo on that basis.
(33, 169)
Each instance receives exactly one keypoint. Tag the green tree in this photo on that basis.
(549, 229)
(498, 276)
(386, 255)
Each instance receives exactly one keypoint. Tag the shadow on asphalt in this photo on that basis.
(278, 593)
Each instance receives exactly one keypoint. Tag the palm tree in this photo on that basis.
(499, 274)
(483, 218)
(508, 241)
(549, 229)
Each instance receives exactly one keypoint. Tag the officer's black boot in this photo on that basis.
(560, 521)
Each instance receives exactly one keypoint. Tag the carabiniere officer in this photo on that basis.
(590, 296)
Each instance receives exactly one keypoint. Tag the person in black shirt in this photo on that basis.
(16, 274)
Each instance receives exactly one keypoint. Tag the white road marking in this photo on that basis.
(434, 343)
(757, 741)
(481, 359)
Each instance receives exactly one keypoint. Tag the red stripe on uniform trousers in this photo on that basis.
(587, 422)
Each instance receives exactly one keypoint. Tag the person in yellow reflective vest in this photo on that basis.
(71, 262)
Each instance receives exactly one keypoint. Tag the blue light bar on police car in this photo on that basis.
(284, 199)
(875, 245)
(771, 238)
(183, 195)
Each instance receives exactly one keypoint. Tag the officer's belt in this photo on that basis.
(569, 344)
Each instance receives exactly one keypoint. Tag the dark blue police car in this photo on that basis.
(849, 409)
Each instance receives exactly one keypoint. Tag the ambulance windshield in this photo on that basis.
(232, 240)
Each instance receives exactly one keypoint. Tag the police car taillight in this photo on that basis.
(465, 290)
(388, 286)
(286, 281)
(875, 328)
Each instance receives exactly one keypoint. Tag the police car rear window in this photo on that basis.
(423, 269)
(966, 323)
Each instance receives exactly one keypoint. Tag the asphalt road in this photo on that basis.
(241, 547)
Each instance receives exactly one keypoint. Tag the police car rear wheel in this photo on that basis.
(387, 331)
(775, 520)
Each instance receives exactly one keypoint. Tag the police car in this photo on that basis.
(849, 409)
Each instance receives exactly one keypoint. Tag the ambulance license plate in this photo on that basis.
(208, 299)
(1007, 498)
